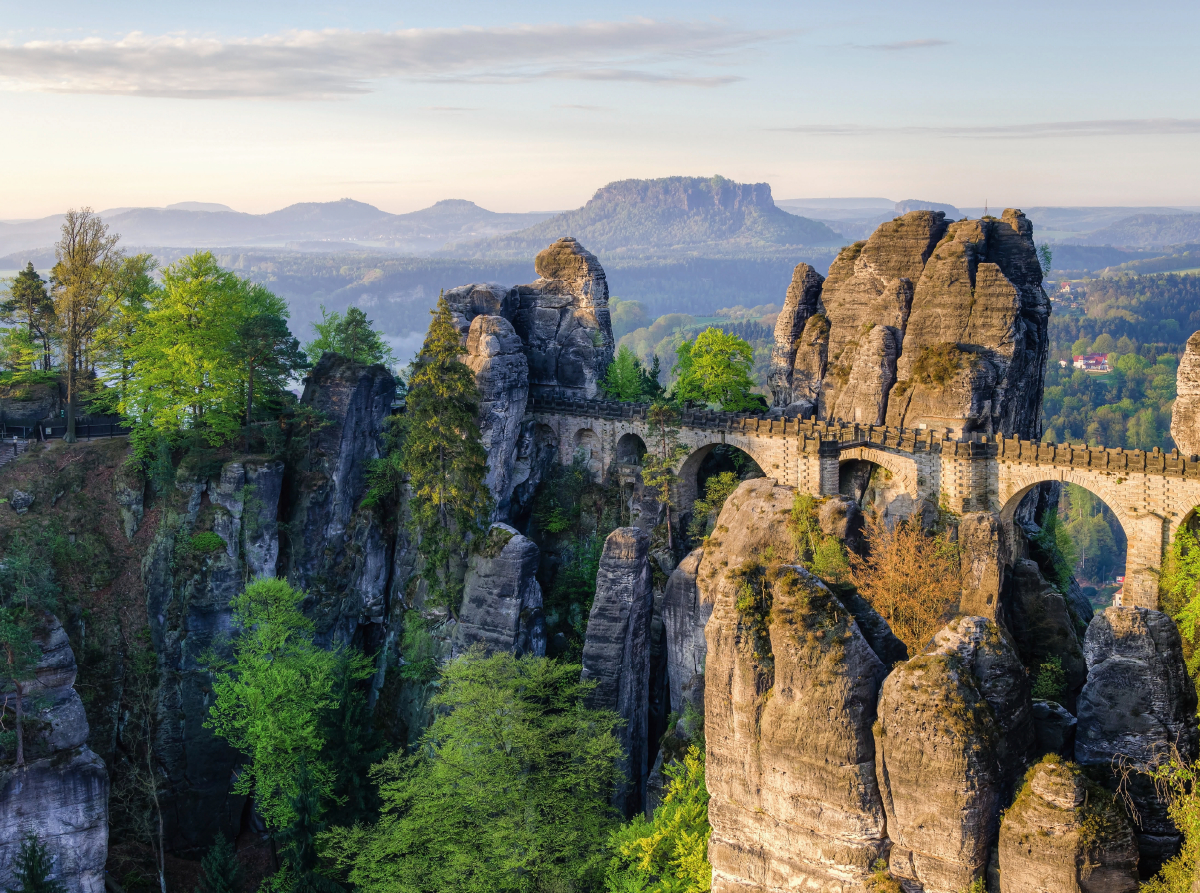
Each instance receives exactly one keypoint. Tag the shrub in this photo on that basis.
(1050, 681)
(205, 542)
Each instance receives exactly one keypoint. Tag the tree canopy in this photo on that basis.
(350, 334)
(627, 380)
(715, 370)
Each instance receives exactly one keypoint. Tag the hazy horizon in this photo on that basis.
(526, 107)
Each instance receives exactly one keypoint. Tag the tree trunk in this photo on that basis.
(20, 709)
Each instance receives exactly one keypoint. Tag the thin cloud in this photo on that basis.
(920, 44)
(337, 63)
(449, 108)
(1038, 130)
(584, 108)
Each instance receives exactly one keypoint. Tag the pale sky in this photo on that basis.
(525, 106)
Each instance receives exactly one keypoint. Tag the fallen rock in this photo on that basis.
(502, 600)
(1185, 414)
(20, 501)
(496, 355)
(1064, 835)
(790, 692)
(60, 796)
(616, 653)
(1137, 705)
(1054, 728)
(954, 727)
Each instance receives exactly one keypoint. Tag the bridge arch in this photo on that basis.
(587, 445)
(630, 449)
(689, 471)
(894, 496)
(1145, 534)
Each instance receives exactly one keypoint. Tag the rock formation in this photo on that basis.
(1185, 414)
(954, 728)
(336, 553)
(1137, 705)
(984, 559)
(60, 796)
(502, 600)
(924, 323)
(685, 614)
(616, 652)
(1054, 728)
(1061, 837)
(1043, 628)
(790, 694)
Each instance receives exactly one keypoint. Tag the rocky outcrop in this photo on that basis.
(976, 343)
(1043, 628)
(1185, 414)
(496, 355)
(685, 614)
(1054, 728)
(129, 489)
(616, 652)
(869, 378)
(790, 692)
(841, 518)
(335, 551)
(502, 600)
(802, 301)
(60, 796)
(1137, 705)
(1059, 837)
(954, 729)
(983, 558)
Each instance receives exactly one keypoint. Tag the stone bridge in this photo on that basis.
(1151, 493)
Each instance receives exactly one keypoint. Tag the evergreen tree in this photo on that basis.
(352, 746)
(29, 305)
(443, 458)
(663, 456)
(220, 871)
(624, 378)
(351, 335)
(33, 867)
(265, 346)
(298, 841)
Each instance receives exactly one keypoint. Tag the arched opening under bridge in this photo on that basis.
(707, 464)
(883, 484)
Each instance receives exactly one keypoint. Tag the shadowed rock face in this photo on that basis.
(954, 727)
(616, 651)
(788, 714)
(496, 355)
(1057, 839)
(685, 614)
(1137, 704)
(502, 600)
(1185, 415)
(61, 795)
(925, 323)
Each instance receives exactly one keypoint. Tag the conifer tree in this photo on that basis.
(29, 305)
(443, 457)
(220, 871)
(664, 454)
(33, 867)
(298, 841)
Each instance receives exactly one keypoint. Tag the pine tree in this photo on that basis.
(33, 864)
(662, 458)
(29, 305)
(352, 745)
(298, 841)
(443, 458)
(220, 871)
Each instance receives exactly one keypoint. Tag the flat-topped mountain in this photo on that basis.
(709, 216)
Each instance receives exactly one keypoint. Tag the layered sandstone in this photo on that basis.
(1185, 414)
(502, 600)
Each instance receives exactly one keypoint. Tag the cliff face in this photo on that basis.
(1185, 414)
(925, 323)
(60, 796)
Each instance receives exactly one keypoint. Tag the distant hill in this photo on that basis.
(913, 204)
(1148, 231)
(345, 223)
(695, 216)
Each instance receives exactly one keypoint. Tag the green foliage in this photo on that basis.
(351, 335)
(507, 790)
(220, 870)
(1179, 587)
(668, 854)
(1050, 682)
(208, 345)
(705, 510)
(938, 363)
(1056, 551)
(557, 506)
(444, 459)
(418, 649)
(824, 556)
(1045, 258)
(31, 310)
(33, 868)
(300, 871)
(627, 380)
(881, 880)
(352, 746)
(626, 316)
(715, 370)
(206, 542)
(1175, 781)
(663, 455)
(269, 702)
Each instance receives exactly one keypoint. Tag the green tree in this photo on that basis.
(350, 335)
(668, 854)
(29, 306)
(131, 285)
(269, 703)
(507, 791)
(1045, 258)
(443, 458)
(715, 370)
(27, 593)
(301, 870)
(705, 510)
(663, 456)
(352, 745)
(624, 378)
(86, 261)
(220, 870)
(264, 345)
(33, 869)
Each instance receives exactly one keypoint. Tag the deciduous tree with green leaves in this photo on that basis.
(351, 335)
(715, 370)
(507, 791)
(443, 458)
(269, 701)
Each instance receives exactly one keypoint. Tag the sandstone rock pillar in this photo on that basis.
(616, 652)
